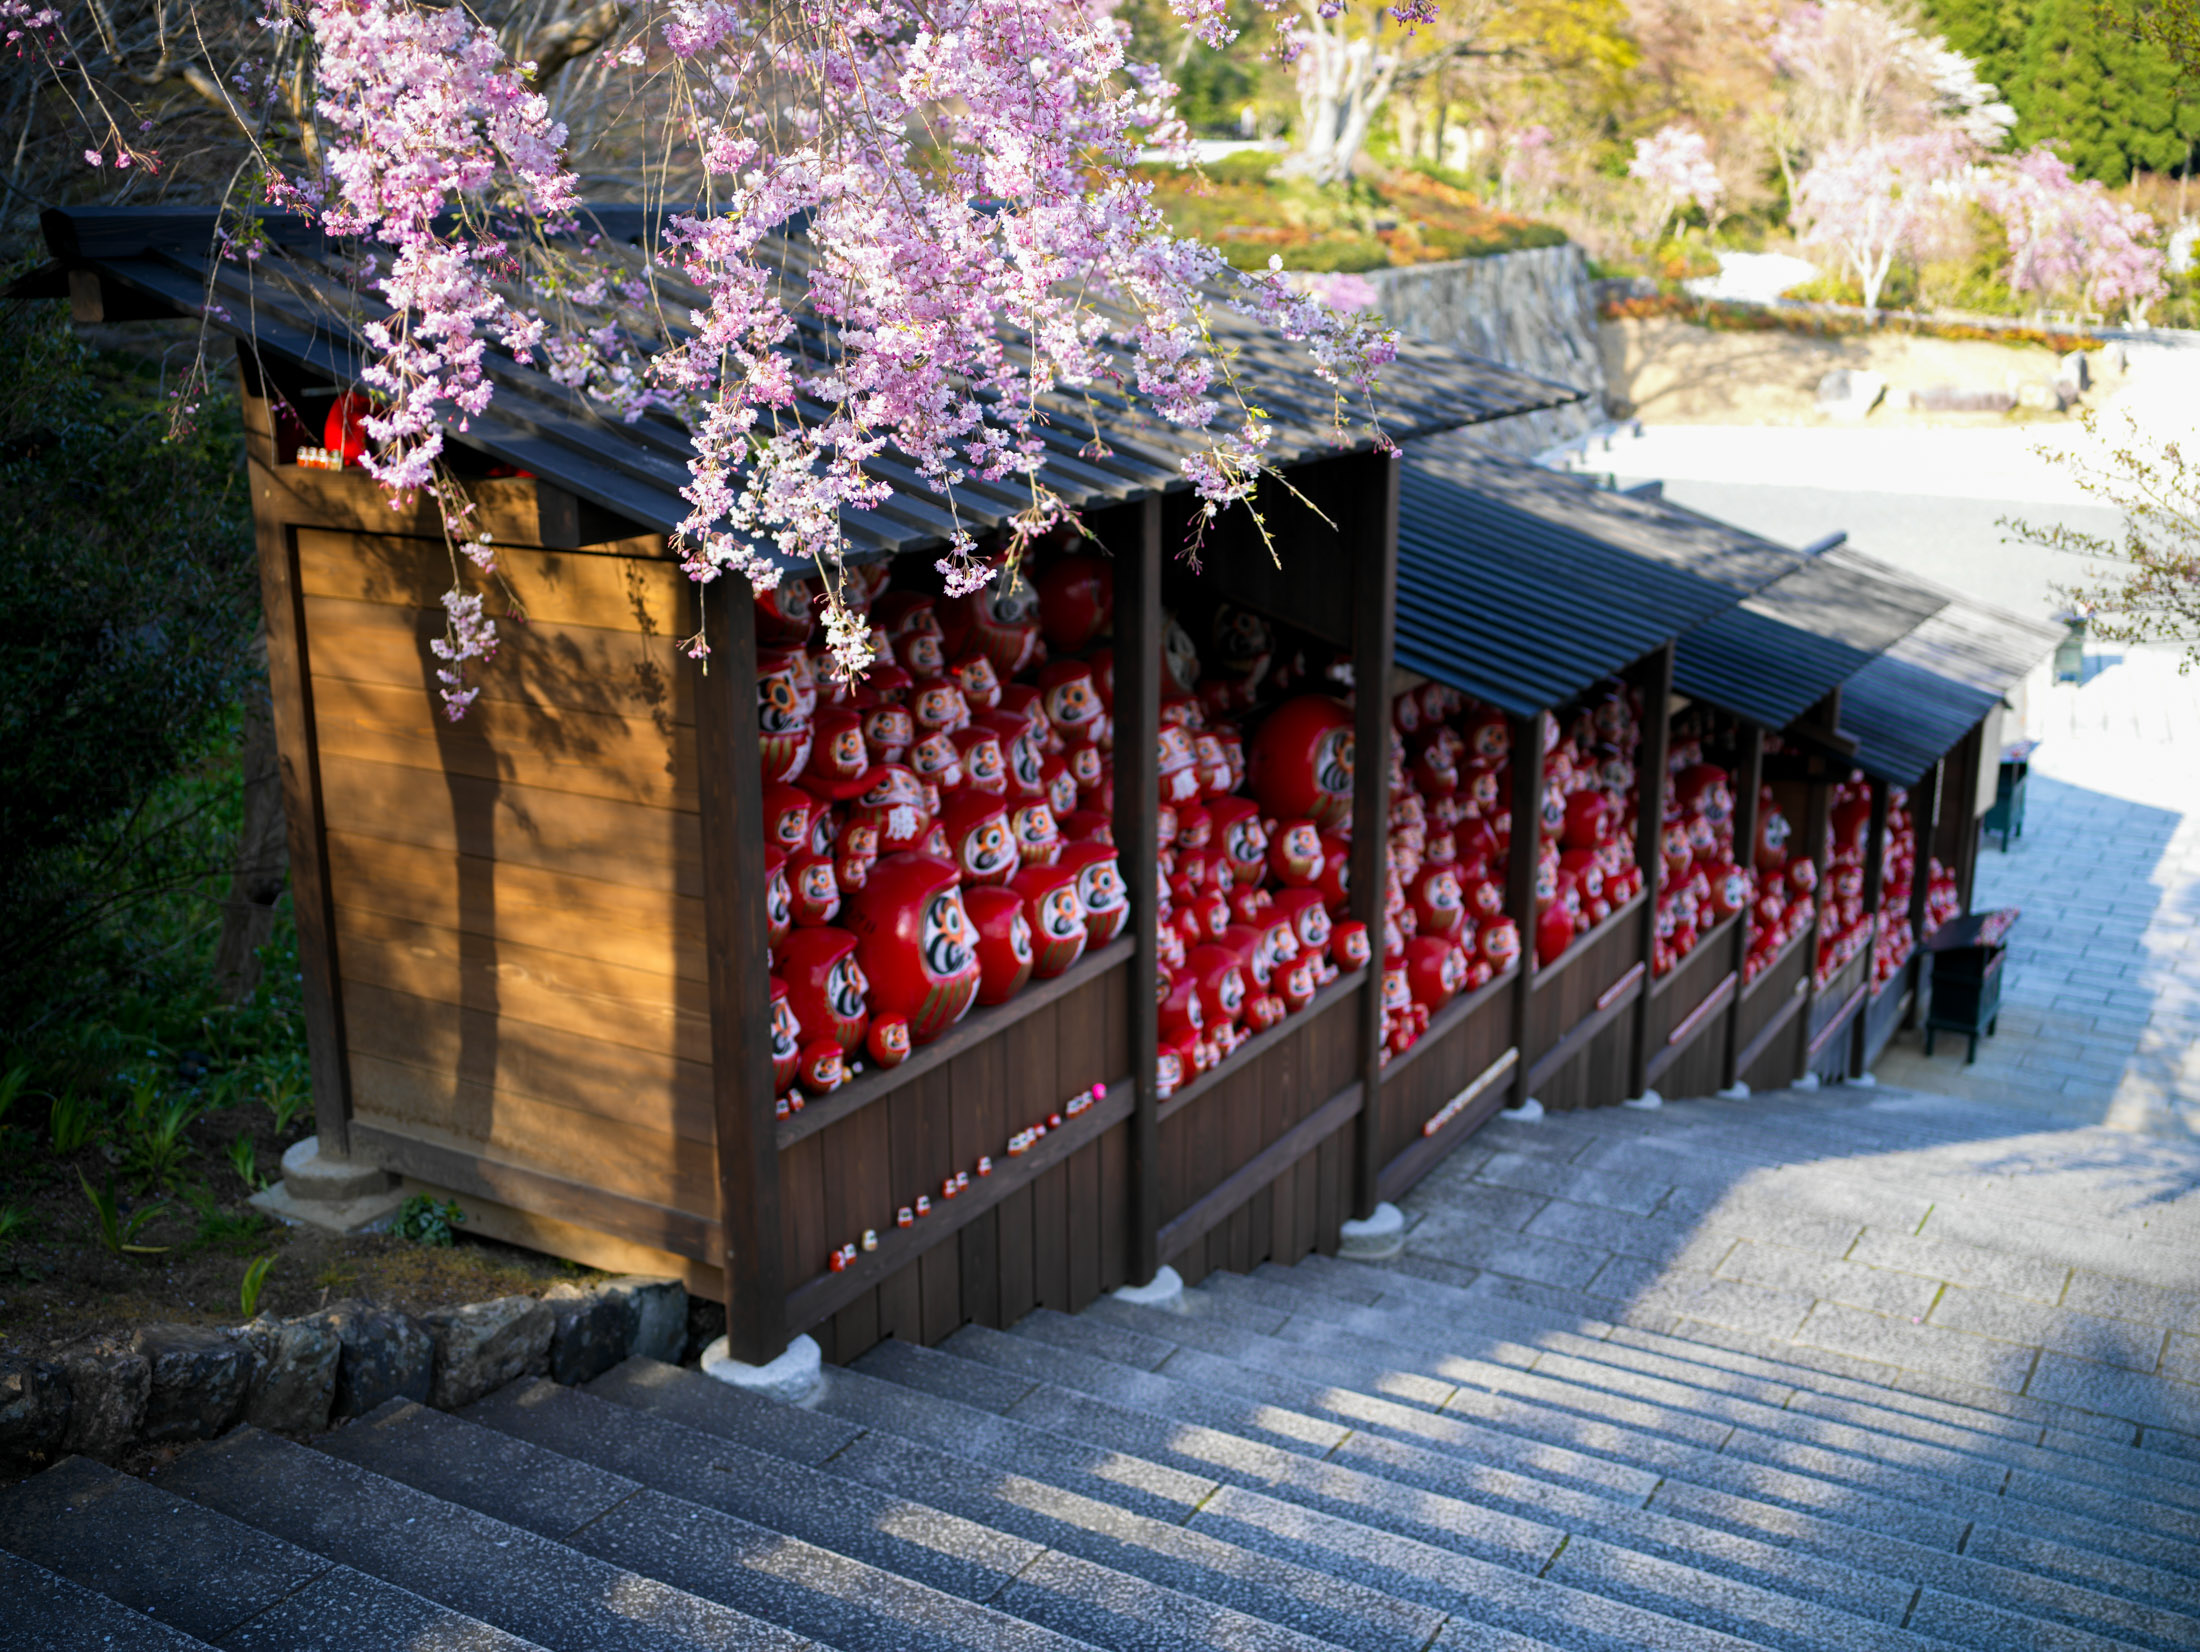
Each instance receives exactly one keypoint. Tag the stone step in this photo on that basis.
(48, 1613)
(1789, 1383)
(191, 1576)
(1027, 1479)
(1581, 1377)
(1018, 1545)
(1490, 1299)
(1974, 1163)
(755, 1569)
(2015, 1496)
(524, 1584)
(1717, 1156)
(1415, 1545)
(1773, 1548)
(1263, 1447)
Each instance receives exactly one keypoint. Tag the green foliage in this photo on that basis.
(2081, 81)
(220, 1228)
(72, 1122)
(255, 1275)
(128, 605)
(119, 1231)
(154, 1133)
(425, 1222)
(244, 1159)
(14, 1219)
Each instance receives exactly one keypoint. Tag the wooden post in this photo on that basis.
(1137, 807)
(1961, 807)
(1814, 838)
(1925, 827)
(731, 788)
(1748, 782)
(1651, 781)
(1527, 810)
(1373, 547)
(1875, 883)
(290, 694)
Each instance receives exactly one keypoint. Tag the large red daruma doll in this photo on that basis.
(825, 986)
(915, 943)
(1301, 761)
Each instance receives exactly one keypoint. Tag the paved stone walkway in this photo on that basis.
(1948, 1248)
(2102, 992)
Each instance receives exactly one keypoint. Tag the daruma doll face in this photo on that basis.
(916, 944)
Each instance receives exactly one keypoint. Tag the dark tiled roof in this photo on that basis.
(1522, 586)
(1102, 447)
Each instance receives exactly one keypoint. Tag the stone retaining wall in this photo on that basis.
(302, 1375)
(1535, 310)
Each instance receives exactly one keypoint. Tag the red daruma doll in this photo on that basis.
(915, 943)
(1004, 942)
(1300, 764)
(1057, 917)
(825, 986)
(1099, 890)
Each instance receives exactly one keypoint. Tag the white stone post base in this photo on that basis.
(792, 1377)
(1382, 1235)
(335, 1195)
(1164, 1290)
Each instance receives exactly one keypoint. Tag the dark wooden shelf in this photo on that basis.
(1450, 1016)
(970, 1031)
(819, 1298)
(1719, 932)
(1582, 943)
(1252, 1047)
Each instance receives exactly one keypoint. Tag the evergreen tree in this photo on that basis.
(2111, 103)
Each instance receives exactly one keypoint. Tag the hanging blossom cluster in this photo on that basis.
(1010, 258)
(2070, 237)
(922, 230)
(437, 150)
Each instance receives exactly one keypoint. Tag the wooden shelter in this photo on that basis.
(534, 941)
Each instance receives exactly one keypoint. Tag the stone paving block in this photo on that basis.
(2181, 1359)
(2035, 1278)
(1729, 1302)
(1493, 1206)
(1883, 1290)
(1675, 1243)
(2102, 1293)
(1989, 1314)
(1929, 1348)
(2092, 1386)
(1528, 1174)
(2085, 1245)
(1548, 1261)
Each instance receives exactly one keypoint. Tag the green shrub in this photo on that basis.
(425, 1222)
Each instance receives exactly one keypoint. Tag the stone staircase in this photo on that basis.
(1331, 1455)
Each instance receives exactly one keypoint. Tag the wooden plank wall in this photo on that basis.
(1227, 1205)
(1461, 1050)
(1581, 1016)
(1686, 1015)
(518, 924)
(1056, 1239)
(1771, 1017)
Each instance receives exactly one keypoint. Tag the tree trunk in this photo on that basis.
(262, 865)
